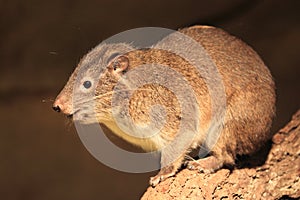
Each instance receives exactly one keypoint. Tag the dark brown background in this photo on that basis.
(42, 41)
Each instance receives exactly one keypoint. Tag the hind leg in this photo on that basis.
(221, 154)
(211, 163)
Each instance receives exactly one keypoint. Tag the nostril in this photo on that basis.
(56, 108)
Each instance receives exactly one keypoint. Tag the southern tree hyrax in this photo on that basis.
(248, 88)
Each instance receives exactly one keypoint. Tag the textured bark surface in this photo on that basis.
(276, 177)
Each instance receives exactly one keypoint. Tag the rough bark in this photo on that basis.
(277, 177)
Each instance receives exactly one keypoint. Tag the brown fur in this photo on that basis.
(249, 89)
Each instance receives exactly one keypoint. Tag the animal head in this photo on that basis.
(87, 95)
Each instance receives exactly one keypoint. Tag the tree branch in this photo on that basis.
(278, 177)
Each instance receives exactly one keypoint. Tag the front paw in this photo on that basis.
(163, 174)
(156, 180)
(205, 165)
(195, 165)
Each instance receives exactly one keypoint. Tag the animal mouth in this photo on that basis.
(70, 116)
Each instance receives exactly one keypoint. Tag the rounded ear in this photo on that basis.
(120, 64)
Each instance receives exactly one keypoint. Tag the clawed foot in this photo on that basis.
(162, 175)
(204, 165)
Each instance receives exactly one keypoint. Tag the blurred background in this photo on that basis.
(41, 42)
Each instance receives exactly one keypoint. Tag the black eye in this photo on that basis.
(87, 84)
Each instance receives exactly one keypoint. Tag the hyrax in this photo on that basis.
(184, 124)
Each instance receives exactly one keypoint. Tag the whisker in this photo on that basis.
(102, 95)
(103, 102)
(93, 99)
(106, 104)
(47, 100)
(69, 124)
(123, 90)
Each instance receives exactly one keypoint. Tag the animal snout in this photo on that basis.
(60, 105)
(56, 108)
